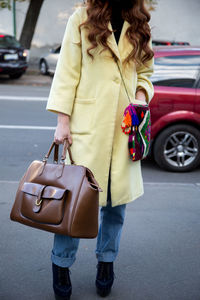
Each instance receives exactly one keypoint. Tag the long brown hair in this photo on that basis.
(138, 33)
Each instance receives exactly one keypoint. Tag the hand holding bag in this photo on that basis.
(59, 198)
(137, 124)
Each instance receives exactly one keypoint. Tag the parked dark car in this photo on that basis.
(175, 108)
(169, 43)
(13, 57)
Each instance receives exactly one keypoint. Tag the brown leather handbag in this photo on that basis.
(57, 197)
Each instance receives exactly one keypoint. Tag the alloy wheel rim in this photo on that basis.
(43, 67)
(180, 149)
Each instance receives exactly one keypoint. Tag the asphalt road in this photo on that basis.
(159, 256)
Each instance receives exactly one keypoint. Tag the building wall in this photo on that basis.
(172, 19)
(177, 20)
(51, 22)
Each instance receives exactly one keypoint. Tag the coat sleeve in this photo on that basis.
(67, 73)
(143, 75)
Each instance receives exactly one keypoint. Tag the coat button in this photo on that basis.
(117, 80)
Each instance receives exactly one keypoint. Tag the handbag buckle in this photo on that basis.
(62, 161)
(38, 202)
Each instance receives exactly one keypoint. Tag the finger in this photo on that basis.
(68, 140)
(57, 141)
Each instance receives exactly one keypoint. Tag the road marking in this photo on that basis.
(173, 183)
(23, 98)
(27, 127)
(8, 181)
(148, 183)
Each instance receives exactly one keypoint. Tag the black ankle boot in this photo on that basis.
(105, 278)
(61, 283)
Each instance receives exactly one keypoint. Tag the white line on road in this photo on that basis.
(23, 98)
(8, 181)
(172, 183)
(27, 127)
(148, 183)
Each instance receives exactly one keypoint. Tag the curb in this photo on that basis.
(31, 77)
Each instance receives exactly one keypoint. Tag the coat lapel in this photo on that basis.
(123, 48)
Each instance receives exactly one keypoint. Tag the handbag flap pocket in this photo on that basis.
(49, 192)
(43, 203)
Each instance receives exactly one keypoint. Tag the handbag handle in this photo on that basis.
(66, 147)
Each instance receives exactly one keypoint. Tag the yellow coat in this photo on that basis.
(92, 93)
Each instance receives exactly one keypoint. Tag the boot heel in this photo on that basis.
(61, 283)
(104, 278)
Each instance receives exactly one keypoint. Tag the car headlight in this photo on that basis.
(25, 53)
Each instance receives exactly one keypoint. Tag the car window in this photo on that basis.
(8, 41)
(57, 50)
(176, 71)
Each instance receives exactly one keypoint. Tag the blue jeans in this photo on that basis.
(108, 239)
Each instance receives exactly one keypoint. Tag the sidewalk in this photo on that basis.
(31, 77)
(159, 256)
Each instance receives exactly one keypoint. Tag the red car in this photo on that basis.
(168, 43)
(175, 108)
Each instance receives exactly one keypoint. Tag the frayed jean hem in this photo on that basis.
(106, 257)
(62, 261)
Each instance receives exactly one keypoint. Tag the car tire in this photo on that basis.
(43, 67)
(16, 75)
(177, 148)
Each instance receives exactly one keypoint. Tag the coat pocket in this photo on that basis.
(82, 116)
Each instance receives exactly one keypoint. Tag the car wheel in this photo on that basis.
(43, 67)
(177, 148)
(16, 75)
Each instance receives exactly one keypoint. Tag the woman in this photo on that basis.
(89, 97)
